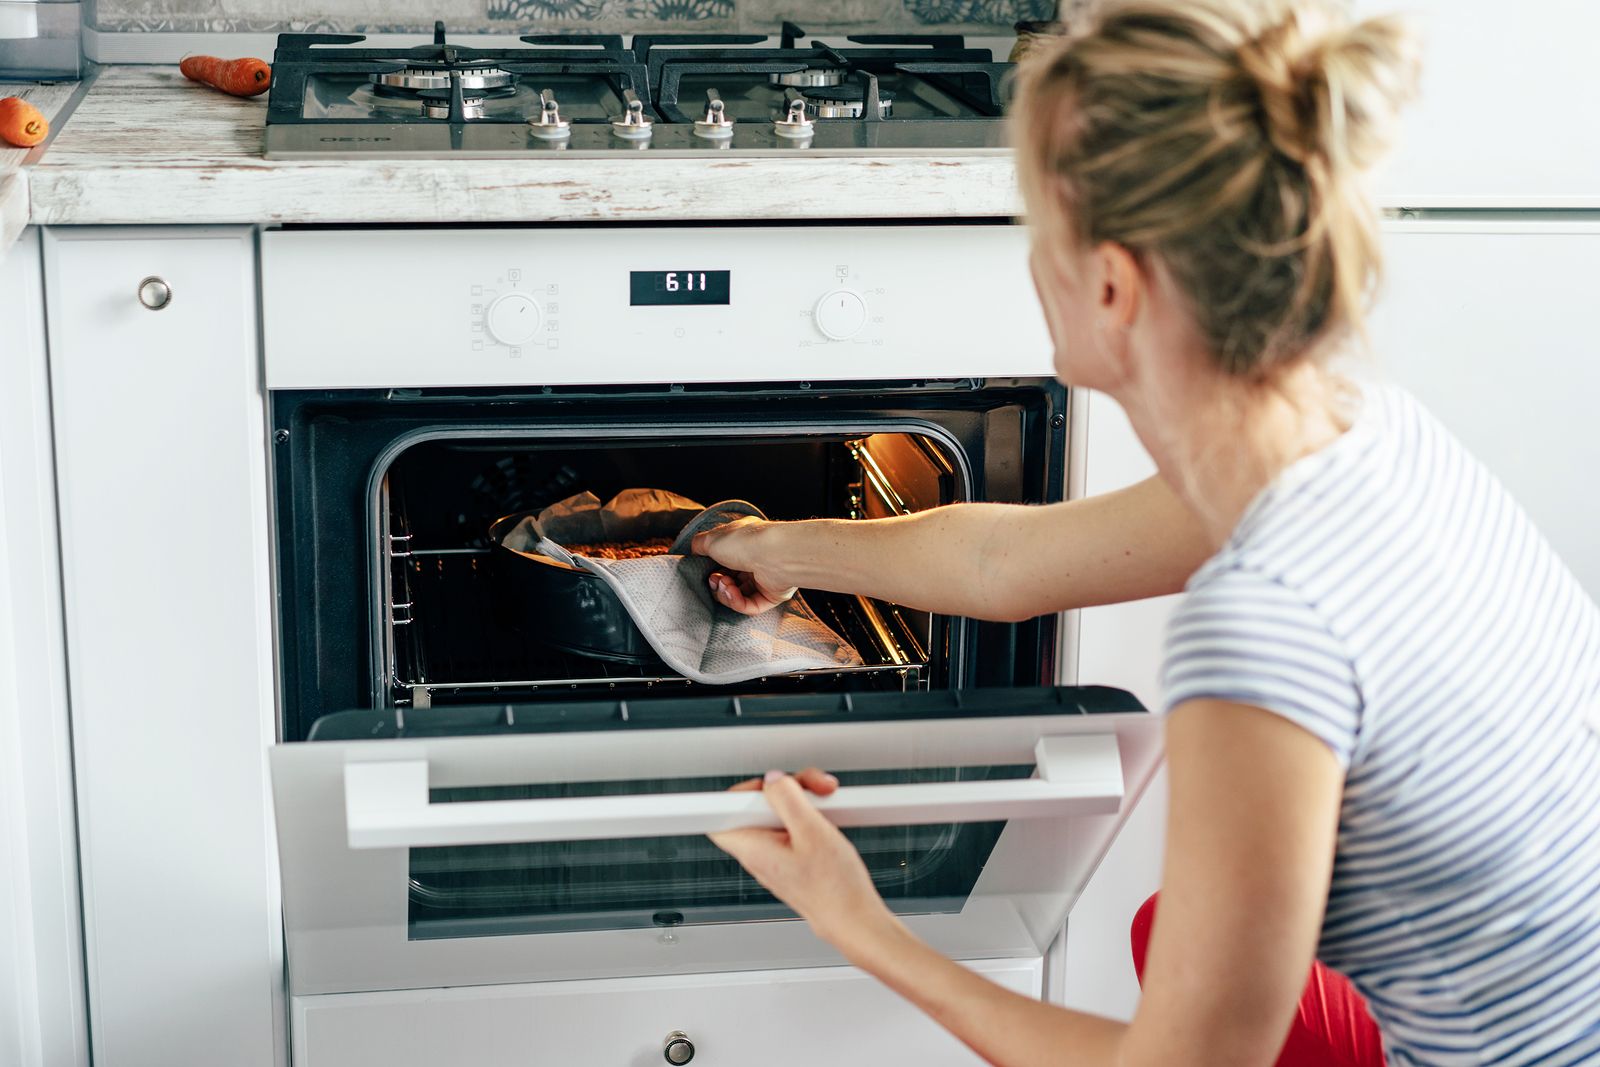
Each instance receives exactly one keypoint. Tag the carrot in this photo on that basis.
(237, 77)
(21, 123)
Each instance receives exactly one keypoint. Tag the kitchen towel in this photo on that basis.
(668, 596)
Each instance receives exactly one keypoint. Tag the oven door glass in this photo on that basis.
(473, 845)
(665, 882)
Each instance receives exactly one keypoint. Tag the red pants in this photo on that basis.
(1332, 1027)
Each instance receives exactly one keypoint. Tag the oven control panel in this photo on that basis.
(620, 306)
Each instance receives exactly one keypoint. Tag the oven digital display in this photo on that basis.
(657, 288)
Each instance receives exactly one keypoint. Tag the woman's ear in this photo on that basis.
(1121, 285)
(1119, 294)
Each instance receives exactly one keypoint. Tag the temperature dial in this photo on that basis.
(841, 314)
(513, 319)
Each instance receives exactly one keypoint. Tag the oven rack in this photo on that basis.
(448, 643)
(424, 694)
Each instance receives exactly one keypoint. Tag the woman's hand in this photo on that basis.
(744, 579)
(809, 864)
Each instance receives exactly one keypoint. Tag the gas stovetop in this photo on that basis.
(669, 93)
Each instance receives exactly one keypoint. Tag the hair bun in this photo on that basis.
(1330, 89)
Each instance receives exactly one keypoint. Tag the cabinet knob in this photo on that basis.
(155, 293)
(679, 1049)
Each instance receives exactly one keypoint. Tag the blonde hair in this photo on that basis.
(1228, 139)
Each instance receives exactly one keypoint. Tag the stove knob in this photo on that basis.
(513, 319)
(841, 314)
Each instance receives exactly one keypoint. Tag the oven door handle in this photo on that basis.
(387, 804)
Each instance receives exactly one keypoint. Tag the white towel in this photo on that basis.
(668, 596)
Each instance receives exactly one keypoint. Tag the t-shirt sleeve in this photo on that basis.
(1243, 637)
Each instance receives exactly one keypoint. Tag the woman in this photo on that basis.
(1379, 680)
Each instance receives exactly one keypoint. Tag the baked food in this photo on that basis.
(619, 550)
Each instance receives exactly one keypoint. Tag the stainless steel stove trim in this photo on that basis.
(368, 140)
(379, 592)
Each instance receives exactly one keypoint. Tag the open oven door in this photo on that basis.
(463, 846)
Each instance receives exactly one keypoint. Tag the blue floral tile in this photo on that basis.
(502, 16)
(963, 12)
(610, 11)
(683, 10)
(543, 10)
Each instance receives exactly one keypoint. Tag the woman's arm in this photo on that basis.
(989, 561)
(1253, 812)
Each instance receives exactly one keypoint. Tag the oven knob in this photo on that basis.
(513, 319)
(679, 1049)
(841, 314)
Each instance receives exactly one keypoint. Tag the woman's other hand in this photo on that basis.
(809, 864)
(744, 579)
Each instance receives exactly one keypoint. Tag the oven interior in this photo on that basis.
(449, 631)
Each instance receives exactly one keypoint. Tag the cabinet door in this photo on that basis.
(793, 1018)
(162, 468)
(1491, 324)
(1118, 645)
(41, 954)
(1506, 113)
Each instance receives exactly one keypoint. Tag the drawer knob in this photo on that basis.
(679, 1049)
(155, 293)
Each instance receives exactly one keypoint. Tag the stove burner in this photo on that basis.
(388, 95)
(847, 102)
(473, 76)
(810, 78)
(436, 104)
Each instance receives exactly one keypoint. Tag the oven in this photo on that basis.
(464, 802)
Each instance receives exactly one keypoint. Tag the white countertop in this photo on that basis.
(49, 98)
(147, 146)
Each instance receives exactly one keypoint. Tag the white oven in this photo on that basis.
(491, 849)
(506, 814)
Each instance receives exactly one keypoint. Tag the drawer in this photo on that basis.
(796, 1018)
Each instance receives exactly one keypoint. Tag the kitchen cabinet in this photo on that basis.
(1487, 318)
(1505, 117)
(795, 1018)
(161, 459)
(1490, 321)
(41, 976)
(1119, 645)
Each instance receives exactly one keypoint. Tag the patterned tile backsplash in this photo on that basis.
(525, 16)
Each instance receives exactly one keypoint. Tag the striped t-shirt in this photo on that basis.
(1387, 595)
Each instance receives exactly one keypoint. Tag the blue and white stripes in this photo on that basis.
(1388, 595)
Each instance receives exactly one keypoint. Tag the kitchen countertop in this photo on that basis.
(147, 146)
(49, 98)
